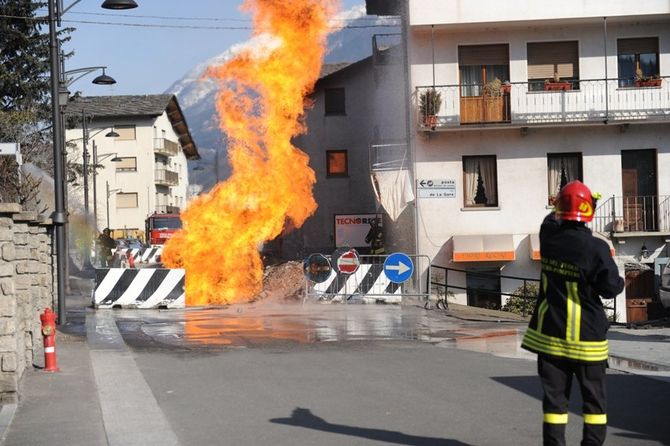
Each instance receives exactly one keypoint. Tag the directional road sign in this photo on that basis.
(398, 267)
(317, 268)
(348, 262)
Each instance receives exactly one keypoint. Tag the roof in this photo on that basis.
(329, 68)
(139, 106)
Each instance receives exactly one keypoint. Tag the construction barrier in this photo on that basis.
(139, 288)
(150, 255)
(370, 284)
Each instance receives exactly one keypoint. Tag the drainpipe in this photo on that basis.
(607, 99)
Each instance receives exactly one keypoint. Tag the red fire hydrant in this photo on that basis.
(48, 319)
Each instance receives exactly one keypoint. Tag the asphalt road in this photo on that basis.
(275, 381)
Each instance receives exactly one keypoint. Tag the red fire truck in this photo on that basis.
(161, 227)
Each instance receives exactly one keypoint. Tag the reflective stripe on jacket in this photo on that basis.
(577, 269)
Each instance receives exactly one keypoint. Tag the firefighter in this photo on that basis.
(569, 325)
(105, 246)
(375, 238)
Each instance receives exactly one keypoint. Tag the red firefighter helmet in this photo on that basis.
(575, 202)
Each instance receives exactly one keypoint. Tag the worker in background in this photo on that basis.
(105, 246)
(375, 238)
(569, 326)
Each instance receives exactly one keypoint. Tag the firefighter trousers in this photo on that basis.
(556, 376)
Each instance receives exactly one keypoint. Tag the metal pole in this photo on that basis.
(107, 186)
(95, 186)
(59, 216)
(607, 99)
(87, 251)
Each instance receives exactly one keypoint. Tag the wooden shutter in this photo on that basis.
(544, 58)
(126, 132)
(484, 54)
(642, 45)
(127, 164)
(126, 200)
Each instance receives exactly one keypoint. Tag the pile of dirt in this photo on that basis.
(283, 282)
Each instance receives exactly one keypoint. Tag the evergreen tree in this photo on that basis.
(25, 106)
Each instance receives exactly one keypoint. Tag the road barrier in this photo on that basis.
(139, 288)
(150, 255)
(370, 284)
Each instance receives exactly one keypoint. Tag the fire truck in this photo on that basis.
(161, 227)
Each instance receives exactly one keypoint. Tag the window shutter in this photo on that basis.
(546, 57)
(126, 132)
(643, 45)
(484, 54)
(127, 164)
(126, 200)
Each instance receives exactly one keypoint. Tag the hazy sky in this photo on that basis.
(149, 59)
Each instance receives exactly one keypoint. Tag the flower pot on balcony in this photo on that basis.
(648, 82)
(430, 121)
(506, 88)
(557, 86)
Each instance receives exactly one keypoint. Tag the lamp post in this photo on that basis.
(59, 216)
(109, 193)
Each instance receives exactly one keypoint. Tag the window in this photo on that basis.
(483, 287)
(479, 64)
(561, 169)
(546, 59)
(637, 54)
(126, 200)
(126, 132)
(334, 101)
(337, 163)
(127, 164)
(480, 182)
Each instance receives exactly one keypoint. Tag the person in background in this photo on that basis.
(375, 238)
(569, 326)
(105, 246)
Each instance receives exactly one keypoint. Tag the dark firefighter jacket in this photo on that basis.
(569, 320)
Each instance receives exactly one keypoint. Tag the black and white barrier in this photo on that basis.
(139, 288)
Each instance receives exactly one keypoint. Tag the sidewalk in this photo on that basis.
(67, 407)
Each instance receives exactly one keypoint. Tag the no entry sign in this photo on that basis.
(348, 262)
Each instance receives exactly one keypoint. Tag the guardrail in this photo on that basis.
(166, 177)
(539, 103)
(370, 284)
(637, 213)
(165, 146)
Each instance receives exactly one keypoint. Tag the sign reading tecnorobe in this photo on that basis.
(398, 267)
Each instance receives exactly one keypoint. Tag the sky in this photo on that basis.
(147, 60)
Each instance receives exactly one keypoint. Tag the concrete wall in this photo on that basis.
(26, 289)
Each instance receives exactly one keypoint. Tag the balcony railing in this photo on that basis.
(166, 147)
(166, 177)
(645, 213)
(166, 209)
(524, 104)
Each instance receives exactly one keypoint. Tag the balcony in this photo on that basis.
(527, 104)
(167, 209)
(164, 146)
(633, 214)
(165, 177)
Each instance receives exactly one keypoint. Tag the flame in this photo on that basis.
(260, 105)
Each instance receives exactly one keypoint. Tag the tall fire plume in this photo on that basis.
(260, 104)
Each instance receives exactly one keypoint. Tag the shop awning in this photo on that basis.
(483, 248)
(535, 245)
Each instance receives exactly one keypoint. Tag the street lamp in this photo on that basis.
(114, 159)
(59, 216)
(109, 193)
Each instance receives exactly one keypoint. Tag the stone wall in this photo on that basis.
(26, 289)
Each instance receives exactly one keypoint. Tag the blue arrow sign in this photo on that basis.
(398, 267)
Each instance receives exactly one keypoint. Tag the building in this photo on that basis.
(508, 103)
(357, 131)
(142, 145)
